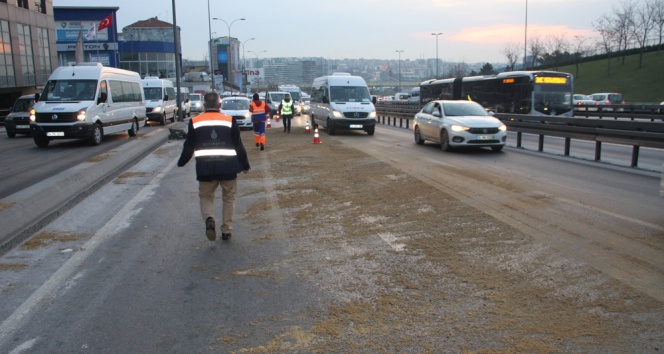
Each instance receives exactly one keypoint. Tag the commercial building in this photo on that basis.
(28, 37)
(147, 47)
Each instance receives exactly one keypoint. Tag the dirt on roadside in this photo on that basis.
(412, 269)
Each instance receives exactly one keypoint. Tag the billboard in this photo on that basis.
(67, 31)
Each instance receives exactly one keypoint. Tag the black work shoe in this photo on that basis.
(257, 144)
(225, 236)
(209, 229)
(262, 147)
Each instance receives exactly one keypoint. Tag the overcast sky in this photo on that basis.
(473, 30)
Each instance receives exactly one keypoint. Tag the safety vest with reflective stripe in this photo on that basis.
(259, 112)
(214, 151)
(286, 107)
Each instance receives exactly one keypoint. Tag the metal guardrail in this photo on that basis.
(625, 128)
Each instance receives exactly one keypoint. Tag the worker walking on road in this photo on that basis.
(286, 112)
(259, 111)
(214, 139)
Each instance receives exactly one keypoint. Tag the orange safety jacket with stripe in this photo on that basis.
(214, 139)
(259, 111)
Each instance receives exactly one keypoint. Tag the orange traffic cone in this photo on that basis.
(277, 118)
(269, 125)
(306, 129)
(316, 137)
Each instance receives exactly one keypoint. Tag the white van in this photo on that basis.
(159, 99)
(273, 100)
(87, 101)
(342, 101)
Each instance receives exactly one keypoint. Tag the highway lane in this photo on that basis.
(128, 269)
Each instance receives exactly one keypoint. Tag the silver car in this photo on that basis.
(456, 124)
(238, 107)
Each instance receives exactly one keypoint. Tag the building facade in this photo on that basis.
(147, 47)
(27, 40)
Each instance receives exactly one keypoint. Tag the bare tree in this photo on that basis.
(511, 51)
(658, 12)
(579, 49)
(459, 70)
(644, 22)
(536, 48)
(556, 45)
(608, 36)
(622, 25)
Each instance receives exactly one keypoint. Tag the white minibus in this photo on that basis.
(159, 99)
(87, 101)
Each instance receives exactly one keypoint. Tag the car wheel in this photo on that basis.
(371, 131)
(329, 127)
(162, 121)
(41, 140)
(11, 134)
(175, 114)
(497, 148)
(133, 130)
(445, 141)
(97, 135)
(418, 136)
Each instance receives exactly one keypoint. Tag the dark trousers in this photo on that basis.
(287, 122)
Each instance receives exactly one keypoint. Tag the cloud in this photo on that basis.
(512, 33)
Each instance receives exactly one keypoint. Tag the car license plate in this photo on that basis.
(55, 133)
(356, 126)
(485, 137)
(22, 127)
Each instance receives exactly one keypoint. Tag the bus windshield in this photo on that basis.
(552, 99)
(349, 94)
(69, 90)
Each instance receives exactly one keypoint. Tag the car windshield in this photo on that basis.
(23, 105)
(349, 94)
(277, 96)
(152, 93)
(69, 90)
(195, 97)
(295, 95)
(462, 108)
(235, 105)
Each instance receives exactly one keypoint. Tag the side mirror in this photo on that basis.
(326, 100)
(103, 97)
(165, 97)
(36, 97)
(374, 100)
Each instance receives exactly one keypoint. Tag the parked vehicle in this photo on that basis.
(607, 98)
(342, 101)
(87, 101)
(196, 102)
(238, 108)
(18, 119)
(456, 124)
(159, 99)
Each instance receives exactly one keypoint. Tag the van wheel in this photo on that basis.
(330, 128)
(97, 134)
(371, 131)
(134, 128)
(162, 120)
(41, 140)
(11, 134)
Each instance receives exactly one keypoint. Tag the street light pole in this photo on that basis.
(244, 64)
(399, 51)
(257, 53)
(229, 65)
(525, 38)
(214, 87)
(437, 34)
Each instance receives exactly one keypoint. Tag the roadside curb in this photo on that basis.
(27, 211)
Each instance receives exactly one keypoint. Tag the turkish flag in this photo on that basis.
(105, 23)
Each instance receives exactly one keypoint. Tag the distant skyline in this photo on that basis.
(372, 29)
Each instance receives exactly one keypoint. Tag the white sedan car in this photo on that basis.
(238, 107)
(455, 124)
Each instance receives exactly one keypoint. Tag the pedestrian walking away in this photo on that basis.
(214, 139)
(286, 112)
(259, 112)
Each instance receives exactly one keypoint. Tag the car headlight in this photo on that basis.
(247, 115)
(33, 116)
(81, 115)
(157, 109)
(337, 114)
(458, 128)
(502, 128)
(372, 114)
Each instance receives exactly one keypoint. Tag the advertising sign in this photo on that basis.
(67, 31)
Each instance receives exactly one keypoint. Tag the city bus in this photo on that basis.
(522, 92)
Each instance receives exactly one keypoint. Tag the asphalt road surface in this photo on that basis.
(358, 244)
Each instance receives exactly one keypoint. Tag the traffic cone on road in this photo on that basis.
(316, 137)
(306, 129)
(269, 125)
(277, 118)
